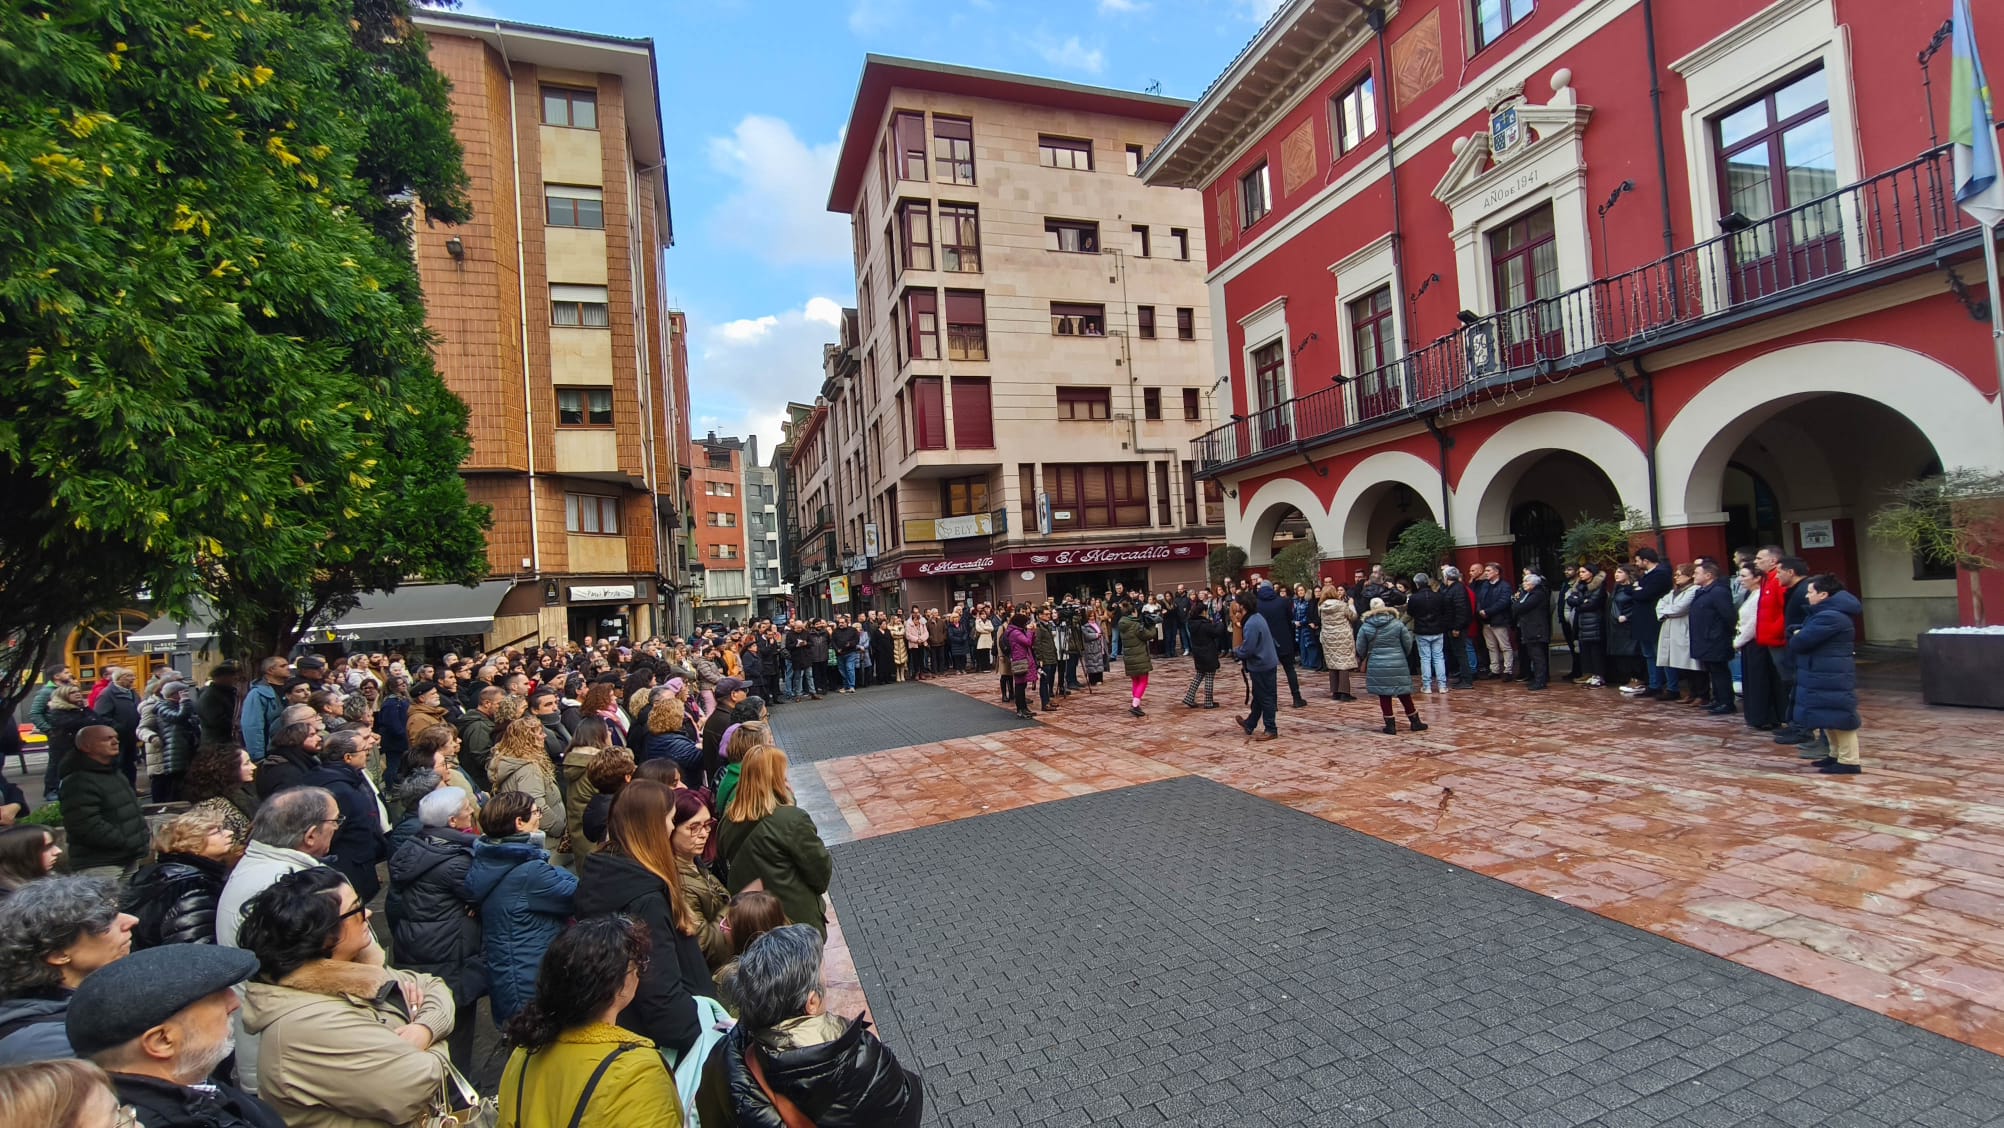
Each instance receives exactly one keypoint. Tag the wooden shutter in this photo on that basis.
(929, 413)
(973, 424)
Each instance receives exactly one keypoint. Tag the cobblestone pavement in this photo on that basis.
(1885, 890)
(1183, 953)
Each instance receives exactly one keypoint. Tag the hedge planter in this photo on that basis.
(1962, 668)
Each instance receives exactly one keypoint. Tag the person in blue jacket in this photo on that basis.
(1713, 623)
(1258, 655)
(1277, 608)
(524, 900)
(1826, 673)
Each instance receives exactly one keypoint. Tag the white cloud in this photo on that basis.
(1071, 54)
(869, 16)
(1258, 11)
(778, 206)
(1121, 7)
(744, 371)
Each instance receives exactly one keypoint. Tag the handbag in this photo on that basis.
(789, 1113)
(480, 1112)
(714, 1022)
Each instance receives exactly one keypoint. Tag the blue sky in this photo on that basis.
(755, 96)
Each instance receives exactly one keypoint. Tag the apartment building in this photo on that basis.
(551, 325)
(1501, 265)
(763, 559)
(1009, 415)
(718, 506)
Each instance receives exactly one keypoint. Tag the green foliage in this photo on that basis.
(1296, 564)
(1420, 548)
(1601, 540)
(1227, 561)
(1953, 518)
(48, 814)
(219, 378)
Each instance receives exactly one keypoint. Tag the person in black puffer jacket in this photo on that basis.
(174, 899)
(1206, 643)
(1587, 602)
(1278, 611)
(787, 1046)
(1431, 617)
(434, 926)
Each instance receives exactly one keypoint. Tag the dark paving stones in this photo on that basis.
(1182, 953)
(882, 717)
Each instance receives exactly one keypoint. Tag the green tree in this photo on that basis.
(1420, 548)
(1956, 518)
(219, 381)
(1296, 564)
(1226, 561)
(1601, 540)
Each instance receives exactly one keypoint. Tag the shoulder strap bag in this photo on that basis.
(584, 1098)
(789, 1113)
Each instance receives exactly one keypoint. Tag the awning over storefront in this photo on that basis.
(414, 611)
(418, 611)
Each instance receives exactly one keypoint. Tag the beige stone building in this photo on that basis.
(1010, 415)
(552, 326)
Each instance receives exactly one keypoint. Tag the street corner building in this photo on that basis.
(1009, 411)
(552, 326)
(1502, 263)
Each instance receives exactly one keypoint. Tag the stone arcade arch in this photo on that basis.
(1484, 502)
(1355, 509)
(1262, 514)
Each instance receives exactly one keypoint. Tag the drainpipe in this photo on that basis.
(1643, 391)
(1446, 442)
(522, 301)
(1375, 16)
(1656, 119)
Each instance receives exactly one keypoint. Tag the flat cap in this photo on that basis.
(310, 662)
(124, 999)
(731, 685)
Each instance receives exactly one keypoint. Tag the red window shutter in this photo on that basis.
(929, 412)
(973, 427)
(964, 307)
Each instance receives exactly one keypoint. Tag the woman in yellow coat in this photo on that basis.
(571, 1058)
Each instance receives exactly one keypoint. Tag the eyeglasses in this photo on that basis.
(337, 820)
(358, 910)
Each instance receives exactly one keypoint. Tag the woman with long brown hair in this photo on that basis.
(767, 839)
(636, 872)
(520, 764)
(602, 701)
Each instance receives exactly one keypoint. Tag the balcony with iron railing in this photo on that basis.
(1881, 227)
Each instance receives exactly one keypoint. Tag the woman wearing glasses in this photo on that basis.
(342, 1039)
(69, 1093)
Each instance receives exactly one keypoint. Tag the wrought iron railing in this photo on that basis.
(1896, 214)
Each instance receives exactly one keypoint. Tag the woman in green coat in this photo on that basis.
(768, 840)
(1135, 636)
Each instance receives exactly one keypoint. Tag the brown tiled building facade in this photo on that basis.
(552, 327)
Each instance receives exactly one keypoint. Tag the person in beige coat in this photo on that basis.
(1339, 639)
(520, 764)
(343, 1041)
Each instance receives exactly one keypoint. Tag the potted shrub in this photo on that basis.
(1420, 548)
(1226, 561)
(1953, 518)
(1296, 564)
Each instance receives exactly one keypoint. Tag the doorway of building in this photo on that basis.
(1753, 514)
(1539, 531)
(598, 622)
(1094, 585)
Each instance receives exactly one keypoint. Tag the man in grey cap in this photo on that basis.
(158, 1021)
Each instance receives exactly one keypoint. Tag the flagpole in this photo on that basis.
(1996, 307)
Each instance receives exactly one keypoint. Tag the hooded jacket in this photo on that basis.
(434, 922)
(837, 1072)
(1383, 640)
(1588, 604)
(1339, 634)
(31, 1026)
(1826, 670)
(328, 1054)
(784, 850)
(1258, 649)
(1278, 611)
(664, 1009)
(101, 815)
(635, 1091)
(174, 900)
(524, 902)
(1206, 644)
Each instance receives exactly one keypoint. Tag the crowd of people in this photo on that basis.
(598, 840)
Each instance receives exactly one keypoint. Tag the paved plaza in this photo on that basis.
(1149, 925)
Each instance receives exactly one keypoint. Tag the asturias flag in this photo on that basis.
(1979, 187)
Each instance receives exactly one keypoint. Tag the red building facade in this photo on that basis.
(1504, 263)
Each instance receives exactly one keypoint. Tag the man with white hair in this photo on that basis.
(159, 1022)
(434, 923)
(1532, 611)
(1460, 619)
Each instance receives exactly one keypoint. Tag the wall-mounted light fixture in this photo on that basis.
(1467, 317)
(455, 247)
